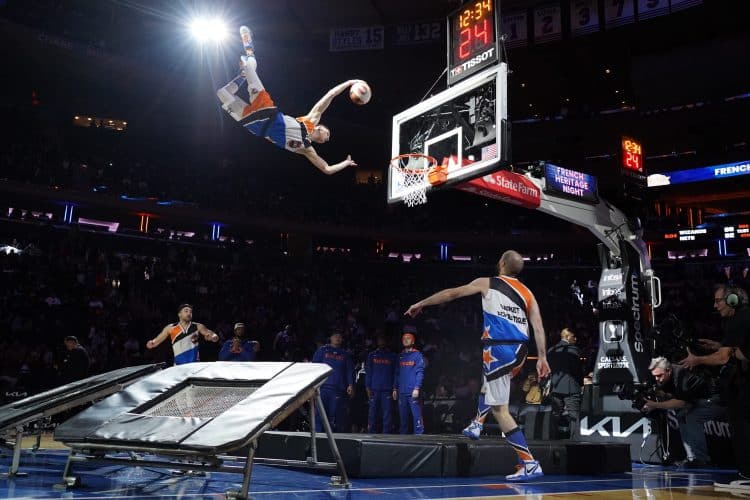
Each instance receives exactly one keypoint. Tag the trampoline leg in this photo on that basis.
(313, 443)
(17, 455)
(13, 471)
(67, 479)
(248, 470)
(344, 480)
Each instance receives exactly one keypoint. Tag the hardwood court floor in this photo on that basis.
(44, 469)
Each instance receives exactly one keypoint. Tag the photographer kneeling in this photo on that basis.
(695, 399)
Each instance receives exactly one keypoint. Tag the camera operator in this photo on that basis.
(694, 398)
(732, 354)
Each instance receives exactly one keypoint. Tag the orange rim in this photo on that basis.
(432, 163)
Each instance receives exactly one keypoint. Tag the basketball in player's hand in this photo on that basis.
(360, 92)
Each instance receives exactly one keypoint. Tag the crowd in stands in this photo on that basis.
(114, 294)
(57, 155)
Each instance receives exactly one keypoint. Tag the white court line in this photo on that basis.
(510, 484)
(561, 493)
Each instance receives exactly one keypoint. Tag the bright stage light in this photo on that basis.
(208, 29)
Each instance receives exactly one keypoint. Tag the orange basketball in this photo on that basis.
(360, 93)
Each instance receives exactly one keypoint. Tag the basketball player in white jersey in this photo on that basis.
(509, 309)
(261, 116)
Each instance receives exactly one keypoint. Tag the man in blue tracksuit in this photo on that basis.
(339, 383)
(239, 348)
(381, 373)
(410, 376)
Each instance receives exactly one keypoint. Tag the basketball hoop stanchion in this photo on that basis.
(418, 172)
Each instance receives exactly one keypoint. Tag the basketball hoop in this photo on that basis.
(418, 172)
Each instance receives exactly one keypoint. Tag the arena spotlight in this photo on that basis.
(204, 29)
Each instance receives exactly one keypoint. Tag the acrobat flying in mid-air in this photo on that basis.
(261, 116)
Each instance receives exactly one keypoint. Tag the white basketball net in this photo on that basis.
(414, 171)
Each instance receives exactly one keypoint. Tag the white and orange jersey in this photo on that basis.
(506, 310)
(184, 343)
(263, 118)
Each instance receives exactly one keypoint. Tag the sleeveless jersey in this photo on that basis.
(506, 308)
(184, 343)
(263, 118)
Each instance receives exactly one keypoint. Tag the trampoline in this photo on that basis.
(193, 417)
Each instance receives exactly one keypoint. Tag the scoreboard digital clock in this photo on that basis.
(472, 39)
(632, 155)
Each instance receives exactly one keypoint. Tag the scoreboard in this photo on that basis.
(739, 231)
(632, 155)
(472, 39)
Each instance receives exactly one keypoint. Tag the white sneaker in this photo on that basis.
(739, 485)
(247, 39)
(473, 430)
(529, 470)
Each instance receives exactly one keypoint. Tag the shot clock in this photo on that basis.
(472, 39)
(632, 155)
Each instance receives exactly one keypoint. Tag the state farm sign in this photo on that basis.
(506, 186)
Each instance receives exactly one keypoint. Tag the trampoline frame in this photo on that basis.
(201, 461)
(12, 435)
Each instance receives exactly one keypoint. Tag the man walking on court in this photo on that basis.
(261, 116)
(509, 309)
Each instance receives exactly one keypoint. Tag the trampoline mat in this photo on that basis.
(199, 401)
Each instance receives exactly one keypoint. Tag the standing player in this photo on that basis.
(261, 116)
(381, 372)
(410, 377)
(508, 308)
(339, 383)
(184, 336)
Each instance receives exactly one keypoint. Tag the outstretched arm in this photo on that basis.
(207, 334)
(323, 165)
(317, 111)
(718, 358)
(159, 338)
(479, 285)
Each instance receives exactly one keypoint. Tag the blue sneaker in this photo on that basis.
(528, 470)
(473, 430)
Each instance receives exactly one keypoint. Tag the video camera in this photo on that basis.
(639, 393)
(672, 341)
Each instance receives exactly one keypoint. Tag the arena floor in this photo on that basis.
(45, 466)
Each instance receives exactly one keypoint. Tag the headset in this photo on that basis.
(733, 298)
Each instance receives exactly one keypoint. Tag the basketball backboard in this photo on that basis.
(464, 127)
